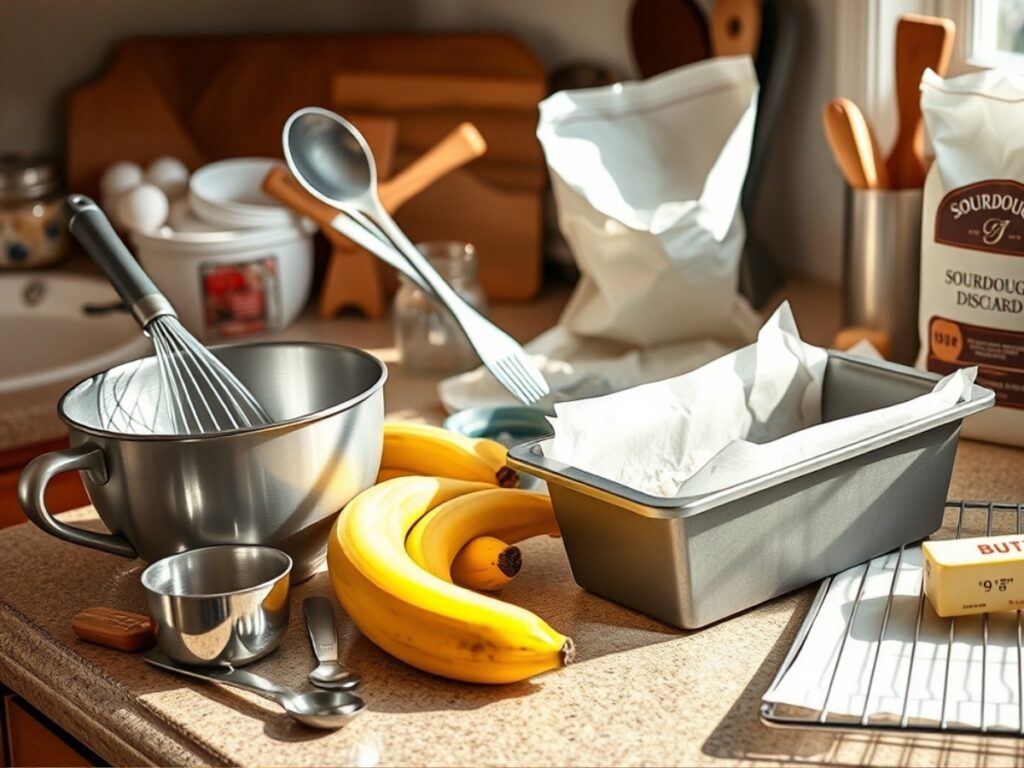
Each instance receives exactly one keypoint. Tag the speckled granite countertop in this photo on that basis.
(639, 693)
(30, 420)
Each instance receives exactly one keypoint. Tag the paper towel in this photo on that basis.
(745, 415)
(575, 367)
(905, 671)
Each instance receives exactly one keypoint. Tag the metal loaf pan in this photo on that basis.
(690, 561)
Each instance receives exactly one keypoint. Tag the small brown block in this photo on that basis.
(116, 629)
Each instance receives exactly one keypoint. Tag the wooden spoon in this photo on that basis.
(735, 27)
(853, 145)
(667, 34)
(921, 42)
(462, 144)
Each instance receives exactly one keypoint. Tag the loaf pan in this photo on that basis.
(693, 560)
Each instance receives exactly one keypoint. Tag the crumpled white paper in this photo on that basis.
(647, 178)
(905, 670)
(747, 414)
(575, 367)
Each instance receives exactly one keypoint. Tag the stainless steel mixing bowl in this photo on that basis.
(219, 605)
(277, 486)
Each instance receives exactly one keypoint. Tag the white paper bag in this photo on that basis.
(647, 179)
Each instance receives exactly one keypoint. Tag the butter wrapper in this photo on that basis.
(977, 575)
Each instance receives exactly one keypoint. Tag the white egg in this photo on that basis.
(143, 209)
(119, 178)
(170, 174)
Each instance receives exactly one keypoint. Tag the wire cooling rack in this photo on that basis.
(973, 518)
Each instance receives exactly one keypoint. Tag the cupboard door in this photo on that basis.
(34, 741)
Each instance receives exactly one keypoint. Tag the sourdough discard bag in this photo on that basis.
(972, 241)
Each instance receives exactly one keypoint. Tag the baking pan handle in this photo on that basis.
(32, 490)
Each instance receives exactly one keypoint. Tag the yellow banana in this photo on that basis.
(420, 449)
(506, 514)
(486, 564)
(417, 617)
(390, 473)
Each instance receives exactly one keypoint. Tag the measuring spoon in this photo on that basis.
(329, 673)
(328, 710)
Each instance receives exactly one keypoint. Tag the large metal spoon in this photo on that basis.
(328, 710)
(332, 160)
(323, 636)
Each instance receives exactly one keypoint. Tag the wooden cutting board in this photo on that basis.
(207, 98)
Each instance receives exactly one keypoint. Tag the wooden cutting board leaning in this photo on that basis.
(206, 98)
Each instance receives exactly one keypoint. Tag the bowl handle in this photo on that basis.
(32, 488)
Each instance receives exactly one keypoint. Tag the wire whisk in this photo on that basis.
(190, 391)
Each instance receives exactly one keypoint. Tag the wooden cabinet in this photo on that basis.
(64, 492)
(31, 740)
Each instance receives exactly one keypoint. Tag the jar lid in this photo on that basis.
(25, 177)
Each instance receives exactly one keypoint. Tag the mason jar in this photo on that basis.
(32, 230)
(429, 340)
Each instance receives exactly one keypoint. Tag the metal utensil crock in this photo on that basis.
(881, 268)
(277, 486)
(219, 605)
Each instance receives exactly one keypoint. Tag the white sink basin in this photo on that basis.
(47, 337)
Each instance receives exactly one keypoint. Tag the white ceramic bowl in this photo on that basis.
(229, 194)
(231, 283)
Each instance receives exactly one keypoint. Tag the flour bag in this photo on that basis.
(647, 179)
(972, 241)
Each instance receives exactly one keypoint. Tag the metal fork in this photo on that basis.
(502, 355)
(332, 160)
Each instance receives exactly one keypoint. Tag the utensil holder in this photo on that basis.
(881, 265)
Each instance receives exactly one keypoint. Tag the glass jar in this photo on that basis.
(32, 229)
(428, 338)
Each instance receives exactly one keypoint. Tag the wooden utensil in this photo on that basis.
(735, 27)
(667, 34)
(453, 151)
(921, 42)
(853, 145)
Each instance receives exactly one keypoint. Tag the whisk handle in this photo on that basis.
(91, 228)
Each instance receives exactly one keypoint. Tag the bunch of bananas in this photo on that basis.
(402, 553)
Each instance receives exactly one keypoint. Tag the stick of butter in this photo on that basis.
(981, 575)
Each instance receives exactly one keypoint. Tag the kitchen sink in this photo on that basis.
(56, 329)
